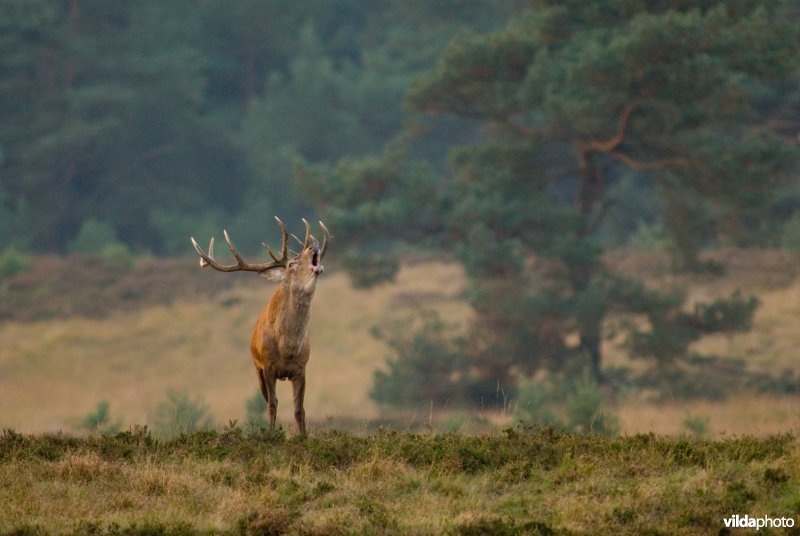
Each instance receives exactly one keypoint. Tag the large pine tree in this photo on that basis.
(566, 104)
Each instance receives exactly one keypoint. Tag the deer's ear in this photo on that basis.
(275, 275)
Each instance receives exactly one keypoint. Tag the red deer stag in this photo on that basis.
(280, 344)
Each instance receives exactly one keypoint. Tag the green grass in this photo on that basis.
(250, 481)
(74, 341)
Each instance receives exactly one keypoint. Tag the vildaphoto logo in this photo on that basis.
(749, 522)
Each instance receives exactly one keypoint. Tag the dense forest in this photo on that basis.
(524, 139)
(152, 120)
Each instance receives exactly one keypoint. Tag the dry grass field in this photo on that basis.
(56, 366)
(336, 483)
(70, 338)
(54, 371)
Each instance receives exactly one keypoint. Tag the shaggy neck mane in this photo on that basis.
(292, 312)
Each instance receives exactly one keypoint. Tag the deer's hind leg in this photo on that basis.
(267, 381)
(299, 391)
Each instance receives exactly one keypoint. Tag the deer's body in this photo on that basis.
(280, 343)
(281, 348)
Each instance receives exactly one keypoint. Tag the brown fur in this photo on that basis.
(280, 342)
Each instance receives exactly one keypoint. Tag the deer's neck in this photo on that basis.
(292, 317)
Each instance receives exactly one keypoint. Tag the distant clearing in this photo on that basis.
(76, 333)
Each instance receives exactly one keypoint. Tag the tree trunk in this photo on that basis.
(591, 336)
(590, 191)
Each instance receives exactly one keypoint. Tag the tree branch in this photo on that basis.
(655, 164)
(606, 146)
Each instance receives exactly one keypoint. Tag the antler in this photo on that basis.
(310, 240)
(208, 259)
(324, 247)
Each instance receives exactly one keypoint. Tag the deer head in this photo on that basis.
(301, 270)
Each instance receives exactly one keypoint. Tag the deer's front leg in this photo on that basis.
(299, 390)
(268, 388)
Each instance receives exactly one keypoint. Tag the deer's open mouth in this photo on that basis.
(316, 267)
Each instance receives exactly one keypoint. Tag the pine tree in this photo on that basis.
(564, 105)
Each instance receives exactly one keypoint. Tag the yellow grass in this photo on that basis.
(52, 373)
(736, 416)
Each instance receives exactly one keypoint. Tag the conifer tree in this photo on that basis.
(563, 105)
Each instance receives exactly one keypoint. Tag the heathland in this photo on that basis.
(516, 482)
(79, 333)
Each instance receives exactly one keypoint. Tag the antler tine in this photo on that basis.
(236, 255)
(203, 257)
(284, 244)
(325, 238)
(207, 259)
(284, 238)
(307, 242)
(269, 252)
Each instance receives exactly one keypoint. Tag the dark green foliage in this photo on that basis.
(790, 235)
(586, 409)
(370, 199)
(576, 405)
(697, 426)
(12, 262)
(99, 420)
(256, 408)
(426, 368)
(180, 414)
(99, 239)
(369, 270)
(109, 123)
(677, 372)
(92, 237)
(672, 329)
(581, 109)
(785, 382)
(164, 118)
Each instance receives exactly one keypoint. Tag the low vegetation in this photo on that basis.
(489, 473)
(519, 481)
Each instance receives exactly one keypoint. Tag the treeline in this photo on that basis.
(524, 139)
(143, 122)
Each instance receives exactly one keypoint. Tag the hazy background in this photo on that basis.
(580, 214)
